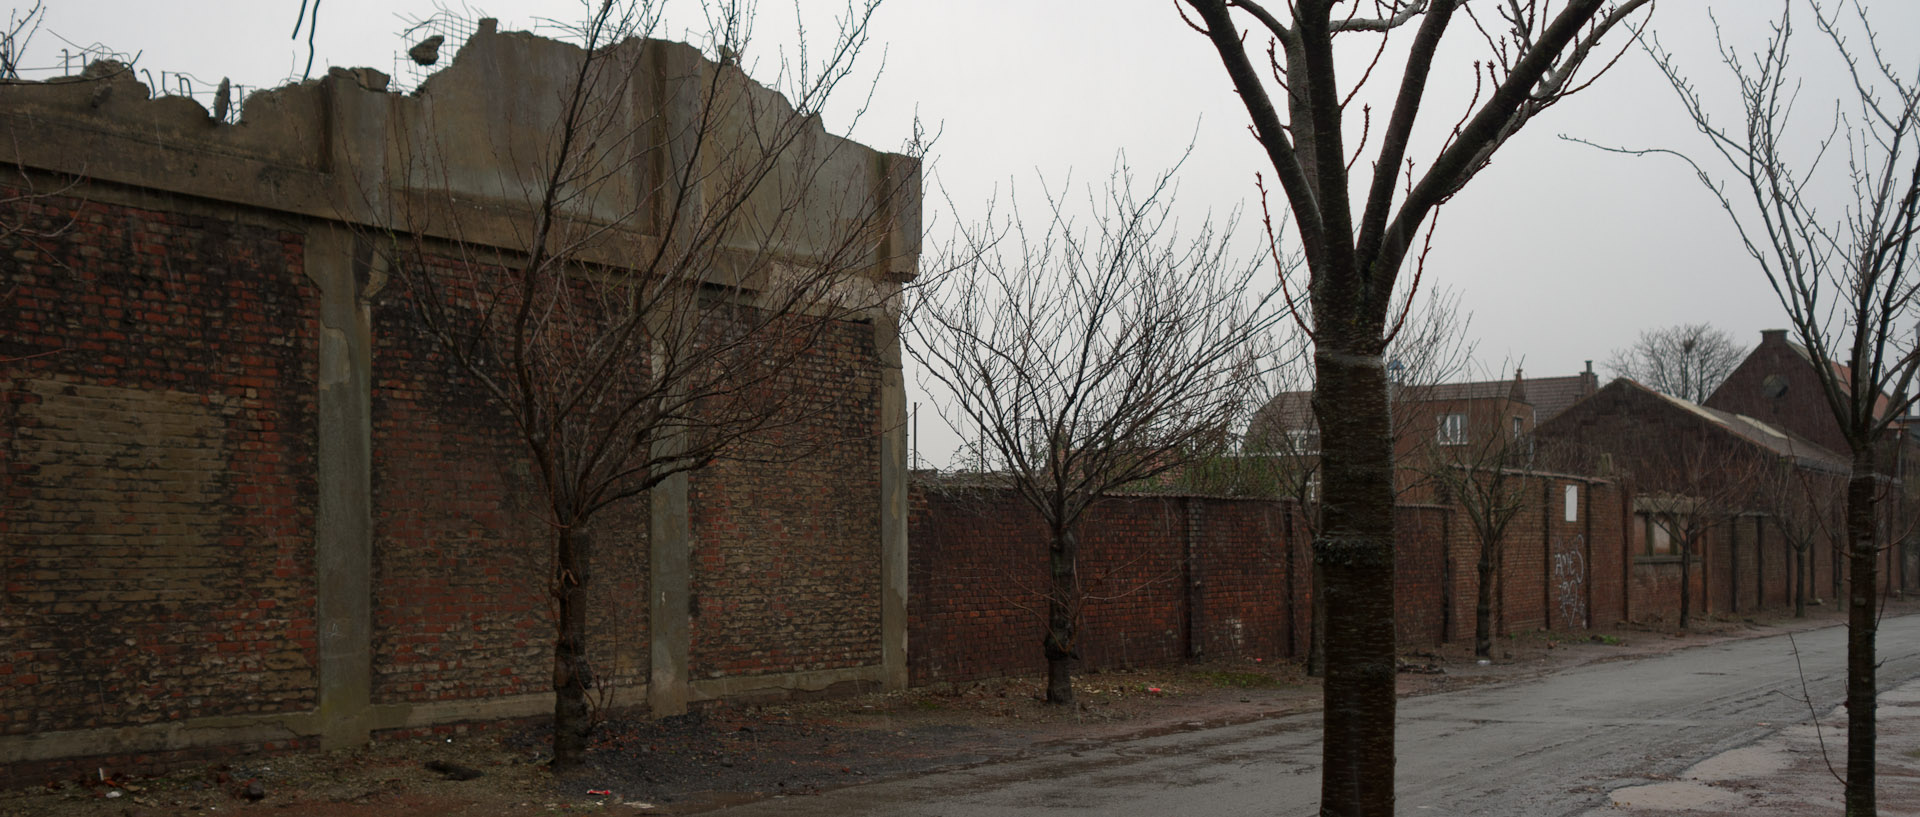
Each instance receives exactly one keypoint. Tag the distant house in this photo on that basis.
(1627, 419)
(1778, 383)
(1683, 460)
(1430, 417)
(1552, 395)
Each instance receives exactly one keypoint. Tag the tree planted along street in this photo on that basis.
(1089, 358)
(1829, 216)
(1354, 257)
(684, 240)
(1281, 449)
(1484, 472)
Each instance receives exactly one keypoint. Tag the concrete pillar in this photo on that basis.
(894, 505)
(344, 270)
(669, 591)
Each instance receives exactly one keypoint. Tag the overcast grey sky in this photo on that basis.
(1561, 252)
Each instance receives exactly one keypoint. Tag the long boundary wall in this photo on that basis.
(1185, 577)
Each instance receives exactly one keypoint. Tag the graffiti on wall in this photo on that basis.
(1570, 579)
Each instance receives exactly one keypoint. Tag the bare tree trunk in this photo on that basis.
(571, 674)
(1317, 625)
(1483, 606)
(1063, 557)
(1836, 574)
(1355, 555)
(1801, 584)
(1686, 583)
(1862, 624)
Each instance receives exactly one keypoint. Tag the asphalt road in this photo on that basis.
(1551, 746)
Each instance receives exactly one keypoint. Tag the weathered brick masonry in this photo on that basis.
(158, 468)
(460, 606)
(1178, 577)
(785, 580)
(1170, 577)
(249, 505)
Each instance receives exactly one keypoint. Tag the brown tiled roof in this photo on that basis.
(1477, 390)
(1780, 441)
(1843, 374)
(1552, 395)
(1286, 411)
(1547, 395)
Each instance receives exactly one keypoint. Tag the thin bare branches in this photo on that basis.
(14, 39)
(1092, 357)
(1356, 264)
(687, 255)
(1687, 361)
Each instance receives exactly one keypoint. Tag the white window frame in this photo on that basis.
(1451, 429)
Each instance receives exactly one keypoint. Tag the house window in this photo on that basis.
(1305, 441)
(1517, 430)
(1453, 429)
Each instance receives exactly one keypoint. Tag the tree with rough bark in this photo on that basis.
(1687, 361)
(1281, 450)
(1829, 215)
(1089, 359)
(1356, 230)
(677, 269)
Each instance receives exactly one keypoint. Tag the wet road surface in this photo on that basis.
(1550, 746)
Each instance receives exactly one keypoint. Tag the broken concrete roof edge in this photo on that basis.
(344, 148)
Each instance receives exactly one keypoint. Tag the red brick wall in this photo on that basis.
(1421, 549)
(977, 563)
(1523, 601)
(157, 434)
(786, 556)
(1556, 572)
(1605, 508)
(1240, 567)
(156, 466)
(1133, 564)
(1195, 576)
(461, 539)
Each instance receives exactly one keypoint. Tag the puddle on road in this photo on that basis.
(1756, 761)
(1674, 796)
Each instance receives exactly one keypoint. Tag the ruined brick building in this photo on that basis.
(247, 503)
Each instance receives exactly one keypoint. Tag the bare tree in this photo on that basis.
(1282, 444)
(1354, 260)
(634, 335)
(1091, 359)
(22, 24)
(1806, 504)
(1687, 361)
(1485, 474)
(1688, 483)
(1845, 276)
